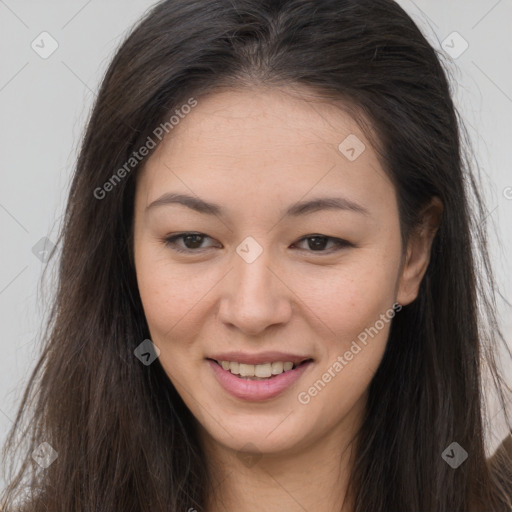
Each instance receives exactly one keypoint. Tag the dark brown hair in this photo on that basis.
(125, 439)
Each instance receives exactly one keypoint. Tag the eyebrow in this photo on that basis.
(296, 210)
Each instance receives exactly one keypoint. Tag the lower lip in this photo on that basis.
(256, 390)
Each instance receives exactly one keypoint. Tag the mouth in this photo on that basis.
(255, 380)
(262, 372)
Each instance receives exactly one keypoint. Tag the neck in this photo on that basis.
(313, 476)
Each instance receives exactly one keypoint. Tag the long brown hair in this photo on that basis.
(124, 438)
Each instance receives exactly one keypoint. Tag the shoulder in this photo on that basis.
(500, 464)
(503, 450)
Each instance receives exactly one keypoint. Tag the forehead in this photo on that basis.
(271, 142)
(263, 120)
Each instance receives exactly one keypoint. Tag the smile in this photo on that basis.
(257, 371)
(256, 382)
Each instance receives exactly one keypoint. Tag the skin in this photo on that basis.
(256, 152)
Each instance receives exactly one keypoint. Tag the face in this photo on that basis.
(262, 244)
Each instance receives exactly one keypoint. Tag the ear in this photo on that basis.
(417, 255)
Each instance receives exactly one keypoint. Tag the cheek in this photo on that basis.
(358, 313)
(356, 304)
(352, 297)
(160, 306)
(168, 292)
(175, 302)
(167, 302)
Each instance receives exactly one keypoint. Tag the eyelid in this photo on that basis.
(340, 243)
(170, 241)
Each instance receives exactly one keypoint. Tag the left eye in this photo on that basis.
(318, 242)
(193, 242)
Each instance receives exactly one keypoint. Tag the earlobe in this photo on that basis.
(418, 252)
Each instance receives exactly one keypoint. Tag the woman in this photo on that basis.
(268, 287)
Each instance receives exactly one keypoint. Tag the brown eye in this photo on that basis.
(190, 242)
(318, 243)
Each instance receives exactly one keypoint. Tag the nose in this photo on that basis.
(255, 296)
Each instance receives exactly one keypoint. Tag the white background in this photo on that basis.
(44, 104)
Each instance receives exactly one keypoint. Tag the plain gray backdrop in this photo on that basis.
(45, 100)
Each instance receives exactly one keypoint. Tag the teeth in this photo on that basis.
(263, 370)
(247, 370)
(277, 368)
(256, 371)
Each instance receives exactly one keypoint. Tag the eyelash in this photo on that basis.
(171, 242)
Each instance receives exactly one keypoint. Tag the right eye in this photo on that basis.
(191, 241)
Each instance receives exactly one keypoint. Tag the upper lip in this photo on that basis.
(260, 358)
